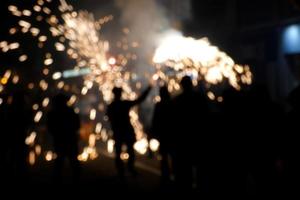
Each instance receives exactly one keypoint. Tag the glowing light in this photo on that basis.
(23, 58)
(141, 146)
(43, 38)
(14, 45)
(72, 100)
(48, 61)
(93, 114)
(35, 106)
(45, 102)
(98, 128)
(56, 75)
(24, 24)
(112, 61)
(12, 8)
(84, 90)
(50, 156)
(4, 81)
(37, 8)
(211, 96)
(12, 31)
(34, 31)
(30, 140)
(60, 84)
(154, 145)
(190, 56)
(26, 13)
(43, 85)
(38, 116)
(38, 150)
(110, 146)
(31, 158)
(59, 46)
(124, 156)
(45, 71)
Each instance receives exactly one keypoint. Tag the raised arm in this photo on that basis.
(142, 97)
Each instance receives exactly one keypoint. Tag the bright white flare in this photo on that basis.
(199, 57)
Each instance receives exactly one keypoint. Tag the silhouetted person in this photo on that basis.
(291, 143)
(64, 124)
(123, 132)
(190, 112)
(161, 129)
(19, 118)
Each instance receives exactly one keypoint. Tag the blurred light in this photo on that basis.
(4, 81)
(43, 85)
(12, 31)
(42, 38)
(23, 58)
(112, 61)
(59, 46)
(34, 31)
(92, 140)
(93, 114)
(211, 96)
(37, 8)
(30, 86)
(35, 106)
(220, 99)
(14, 45)
(110, 146)
(154, 145)
(45, 102)
(60, 84)
(16, 79)
(72, 100)
(12, 8)
(27, 13)
(124, 156)
(48, 61)
(84, 90)
(30, 140)
(50, 156)
(24, 24)
(291, 39)
(31, 158)
(98, 128)
(38, 116)
(104, 135)
(56, 75)
(141, 146)
(38, 150)
(45, 71)
(75, 73)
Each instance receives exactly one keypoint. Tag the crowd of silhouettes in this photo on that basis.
(246, 144)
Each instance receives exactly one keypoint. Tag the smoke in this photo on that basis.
(147, 20)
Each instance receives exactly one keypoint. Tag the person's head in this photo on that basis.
(186, 83)
(60, 100)
(164, 93)
(117, 93)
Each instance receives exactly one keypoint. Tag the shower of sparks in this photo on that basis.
(199, 59)
(77, 35)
